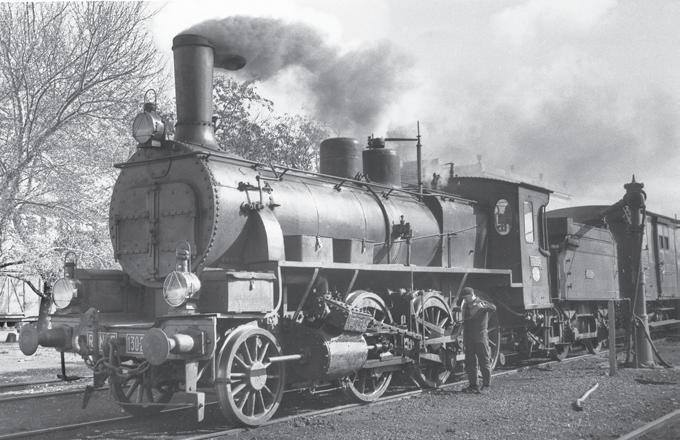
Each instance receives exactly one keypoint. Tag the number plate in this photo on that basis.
(104, 337)
(133, 344)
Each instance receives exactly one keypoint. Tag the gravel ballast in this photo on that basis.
(535, 403)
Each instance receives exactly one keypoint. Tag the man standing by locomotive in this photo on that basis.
(476, 339)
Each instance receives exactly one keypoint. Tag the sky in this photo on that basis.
(584, 93)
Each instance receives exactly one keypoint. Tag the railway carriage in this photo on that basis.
(18, 302)
(586, 265)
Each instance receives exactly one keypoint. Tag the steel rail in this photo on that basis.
(48, 394)
(55, 429)
(658, 423)
(72, 426)
(42, 382)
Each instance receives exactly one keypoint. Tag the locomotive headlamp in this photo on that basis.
(65, 290)
(148, 128)
(179, 287)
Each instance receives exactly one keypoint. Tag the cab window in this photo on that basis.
(528, 222)
(502, 217)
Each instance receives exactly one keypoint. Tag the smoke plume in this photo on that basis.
(349, 91)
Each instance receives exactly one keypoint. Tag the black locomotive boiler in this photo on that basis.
(251, 279)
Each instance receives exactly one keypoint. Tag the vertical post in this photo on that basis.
(635, 199)
(408, 251)
(419, 163)
(612, 337)
(675, 250)
(448, 248)
(626, 219)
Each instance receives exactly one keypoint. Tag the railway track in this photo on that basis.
(10, 392)
(666, 420)
(306, 413)
(211, 432)
(27, 396)
(12, 386)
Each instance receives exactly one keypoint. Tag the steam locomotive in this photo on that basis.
(253, 279)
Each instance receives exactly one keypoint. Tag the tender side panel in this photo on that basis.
(586, 264)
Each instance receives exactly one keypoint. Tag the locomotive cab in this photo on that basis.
(517, 234)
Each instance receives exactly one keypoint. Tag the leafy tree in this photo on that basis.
(70, 77)
(249, 127)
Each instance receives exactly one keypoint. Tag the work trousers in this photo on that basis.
(478, 353)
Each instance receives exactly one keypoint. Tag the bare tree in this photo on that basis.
(71, 74)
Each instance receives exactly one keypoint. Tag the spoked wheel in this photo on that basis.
(561, 351)
(249, 387)
(368, 385)
(138, 394)
(432, 318)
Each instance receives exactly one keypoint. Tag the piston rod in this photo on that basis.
(285, 358)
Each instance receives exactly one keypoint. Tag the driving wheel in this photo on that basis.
(431, 318)
(249, 387)
(368, 385)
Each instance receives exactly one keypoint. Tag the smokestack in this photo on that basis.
(194, 62)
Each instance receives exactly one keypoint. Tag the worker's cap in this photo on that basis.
(468, 291)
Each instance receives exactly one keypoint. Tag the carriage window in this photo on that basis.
(502, 217)
(664, 241)
(529, 222)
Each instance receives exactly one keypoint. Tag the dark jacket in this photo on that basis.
(476, 320)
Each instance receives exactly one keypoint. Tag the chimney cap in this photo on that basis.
(190, 40)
